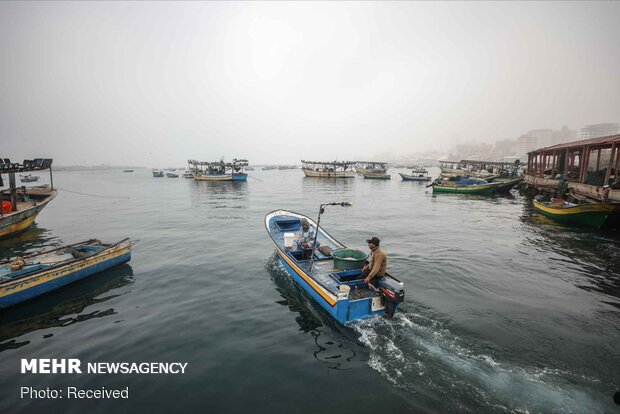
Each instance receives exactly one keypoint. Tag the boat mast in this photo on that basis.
(318, 222)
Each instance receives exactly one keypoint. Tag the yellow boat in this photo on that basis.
(593, 215)
(20, 206)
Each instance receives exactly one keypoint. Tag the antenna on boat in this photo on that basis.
(318, 222)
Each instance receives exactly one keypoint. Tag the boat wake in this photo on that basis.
(419, 355)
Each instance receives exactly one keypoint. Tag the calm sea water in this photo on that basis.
(505, 311)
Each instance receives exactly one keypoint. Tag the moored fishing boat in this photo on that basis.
(172, 175)
(158, 173)
(331, 276)
(417, 174)
(219, 170)
(25, 278)
(127, 171)
(451, 168)
(333, 169)
(465, 186)
(20, 207)
(370, 167)
(504, 186)
(29, 178)
(188, 174)
(377, 176)
(592, 215)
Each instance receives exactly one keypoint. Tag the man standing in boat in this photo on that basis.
(305, 238)
(378, 262)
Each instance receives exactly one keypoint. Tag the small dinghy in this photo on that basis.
(417, 174)
(24, 278)
(331, 273)
(377, 176)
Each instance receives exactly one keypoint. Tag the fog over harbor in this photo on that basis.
(154, 84)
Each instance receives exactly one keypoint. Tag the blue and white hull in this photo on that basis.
(222, 177)
(319, 278)
(49, 271)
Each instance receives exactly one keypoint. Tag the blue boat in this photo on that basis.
(341, 292)
(25, 278)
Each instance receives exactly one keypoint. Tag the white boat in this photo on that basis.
(333, 169)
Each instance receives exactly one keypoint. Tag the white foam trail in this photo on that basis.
(417, 354)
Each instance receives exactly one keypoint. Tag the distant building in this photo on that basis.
(564, 135)
(526, 143)
(540, 138)
(599, 130)
(506, 147)
(472, 150)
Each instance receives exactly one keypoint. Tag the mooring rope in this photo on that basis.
(93, 195)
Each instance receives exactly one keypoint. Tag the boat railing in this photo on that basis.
(334, 165)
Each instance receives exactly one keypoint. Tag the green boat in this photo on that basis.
(481, 189)
(592, 215)
(468, 185)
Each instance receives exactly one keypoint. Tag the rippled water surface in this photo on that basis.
(505, 310)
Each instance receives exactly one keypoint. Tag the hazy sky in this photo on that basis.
(154, 84)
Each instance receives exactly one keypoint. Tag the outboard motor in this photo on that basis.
(393, 293)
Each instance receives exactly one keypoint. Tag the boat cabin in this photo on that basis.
(217, 167)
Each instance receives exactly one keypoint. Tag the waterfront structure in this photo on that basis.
(20, 206)
(492, 170)
(25, 278)
(588, 168)
(326, 169)
(219, 170)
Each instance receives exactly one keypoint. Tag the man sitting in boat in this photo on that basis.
(305, 238)
(378, 263)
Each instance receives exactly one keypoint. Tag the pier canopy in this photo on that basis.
(37, 164)
(219, 166)
(328, 169)
(593, 161)
(333, 164)
(382, 164)
(500, 167)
